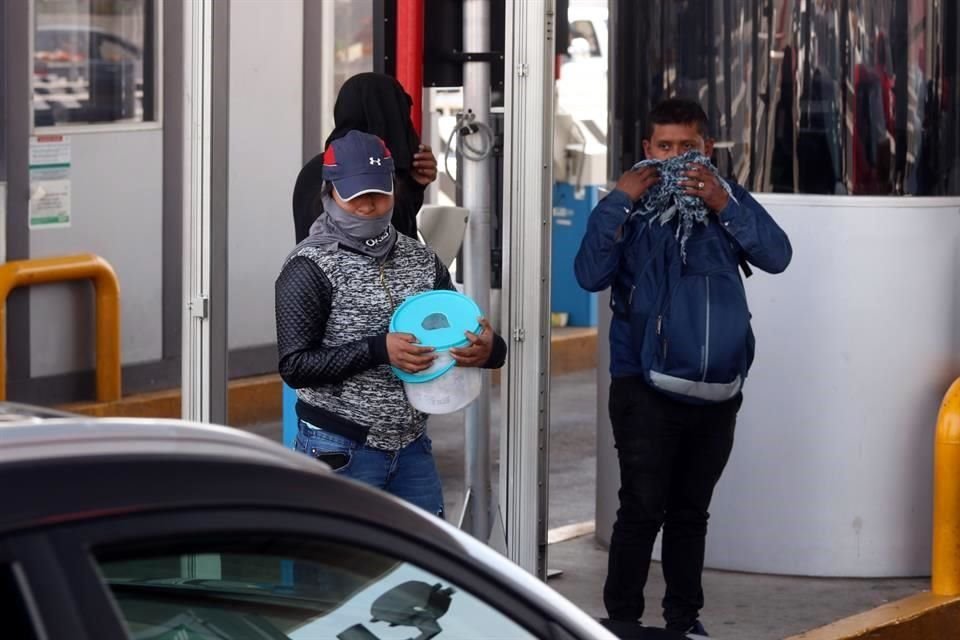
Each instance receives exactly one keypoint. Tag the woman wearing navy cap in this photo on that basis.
(334, 299)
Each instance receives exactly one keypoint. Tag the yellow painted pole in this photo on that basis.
(23, 273)
(945, 563)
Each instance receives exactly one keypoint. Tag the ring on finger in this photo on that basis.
(699, 186)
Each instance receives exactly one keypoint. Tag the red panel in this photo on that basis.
(410, 55)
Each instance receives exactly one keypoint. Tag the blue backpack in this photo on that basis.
(697, 344)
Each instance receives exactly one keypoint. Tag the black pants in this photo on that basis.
(671, 456)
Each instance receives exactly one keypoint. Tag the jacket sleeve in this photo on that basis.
(498, 356)
(303, 300)
(763, 242)
(602, 246)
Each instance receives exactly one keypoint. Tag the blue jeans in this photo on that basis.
(410, 473)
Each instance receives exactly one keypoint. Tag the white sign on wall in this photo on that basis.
(49, 182)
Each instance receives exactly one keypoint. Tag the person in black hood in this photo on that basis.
(373, 103)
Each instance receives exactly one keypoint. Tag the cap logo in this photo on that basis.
(376, 161)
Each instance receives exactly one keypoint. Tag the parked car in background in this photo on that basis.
(167, 530)
(87, 74)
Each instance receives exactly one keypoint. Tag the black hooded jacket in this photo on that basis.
(373, 103)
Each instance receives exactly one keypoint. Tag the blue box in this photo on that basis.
(571, 209)
(289, 416)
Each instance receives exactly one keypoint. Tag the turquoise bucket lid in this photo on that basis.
(438, 319)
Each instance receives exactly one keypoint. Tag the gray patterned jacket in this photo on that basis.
(333, 310)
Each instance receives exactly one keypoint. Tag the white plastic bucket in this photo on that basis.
(447, 393)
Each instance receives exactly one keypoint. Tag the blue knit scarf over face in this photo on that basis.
(667, 199)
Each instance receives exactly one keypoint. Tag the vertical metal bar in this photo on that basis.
(204, 241)
(528, 180)
(752, 116)
(900, 60)
(728, 77)
(150, 106)
(475, 181)
(410, 55)
(710, 23)
(16, 42)
(318, 47)
(607, 479)
(846, 80)
(197, 32)
(3, 135)
(950, 19)
(770, 97)
(174, 136)
(637, 101)
(328, 56)
(382, 38)
(219, 207)
(3, 109)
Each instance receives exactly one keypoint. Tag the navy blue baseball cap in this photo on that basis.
(358, 163)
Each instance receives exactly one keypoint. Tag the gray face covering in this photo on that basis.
(372, 237)
(365, 229)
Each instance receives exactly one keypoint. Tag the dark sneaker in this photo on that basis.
(696, 629)
(629, 630)
(624, 629)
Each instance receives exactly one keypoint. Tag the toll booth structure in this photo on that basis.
(165, 136)
(841, 119)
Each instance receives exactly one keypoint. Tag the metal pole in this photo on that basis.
(328, 94)
(204, 370)
(608, 470)
(528, 181)
(475, 181)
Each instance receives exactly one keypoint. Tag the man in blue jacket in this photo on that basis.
(680, 348)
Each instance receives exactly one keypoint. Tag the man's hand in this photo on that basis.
(702, 183)
(635, 182)
(424, 165)
(406, 355)
(477, 354)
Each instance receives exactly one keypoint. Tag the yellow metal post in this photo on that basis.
(945, 563)
(21, 273)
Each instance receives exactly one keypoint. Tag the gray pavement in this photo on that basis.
(738, 605)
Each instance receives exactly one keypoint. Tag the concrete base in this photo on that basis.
(919, 617)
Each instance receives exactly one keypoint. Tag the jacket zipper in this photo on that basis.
(663, 338)
(383, 283)
(706, 340)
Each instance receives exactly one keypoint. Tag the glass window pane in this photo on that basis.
(814, 96)
(353, 26)
(92, 62)
(340, 592)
